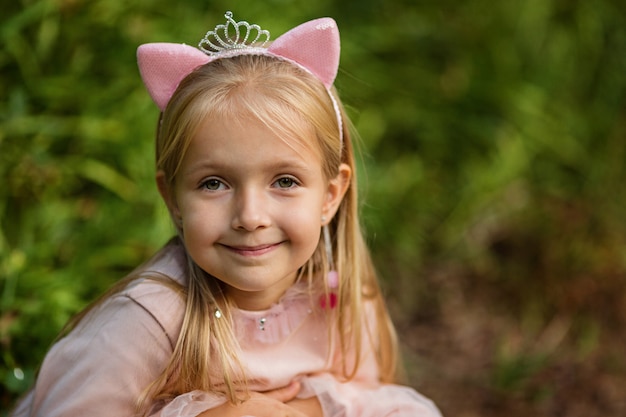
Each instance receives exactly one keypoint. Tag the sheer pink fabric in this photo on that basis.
(102, 366)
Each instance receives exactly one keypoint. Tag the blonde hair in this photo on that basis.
(281, 96)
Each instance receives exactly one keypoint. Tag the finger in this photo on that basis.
(286, 393)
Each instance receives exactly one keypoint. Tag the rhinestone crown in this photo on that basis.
(221, 39)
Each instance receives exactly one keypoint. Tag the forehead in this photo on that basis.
(244, 140)
(276, 120)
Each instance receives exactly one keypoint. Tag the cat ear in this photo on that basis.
(313, 45)
(164, 65)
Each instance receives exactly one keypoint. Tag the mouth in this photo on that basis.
(252, 251)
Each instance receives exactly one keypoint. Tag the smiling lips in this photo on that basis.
(251, 251)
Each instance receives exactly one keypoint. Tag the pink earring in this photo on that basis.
(330, 299)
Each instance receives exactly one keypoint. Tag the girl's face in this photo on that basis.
(251, 206)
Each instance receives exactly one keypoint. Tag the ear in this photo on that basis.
(167, 193)
(337, 188)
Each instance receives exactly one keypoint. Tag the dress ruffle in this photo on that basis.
(341, 399)
(192, 403)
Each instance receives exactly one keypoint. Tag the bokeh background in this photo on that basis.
(493, 174)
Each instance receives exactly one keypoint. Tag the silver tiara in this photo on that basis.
(220, 39)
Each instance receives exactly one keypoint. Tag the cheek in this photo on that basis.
(199, 222)
(303, 226)
(197, 234)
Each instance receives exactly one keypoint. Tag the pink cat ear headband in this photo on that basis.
(312, 46)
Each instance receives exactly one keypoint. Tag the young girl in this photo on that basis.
(266, 303)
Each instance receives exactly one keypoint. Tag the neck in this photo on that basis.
(257, 300)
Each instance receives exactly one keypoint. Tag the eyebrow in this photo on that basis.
(276, 165)
(290, 164)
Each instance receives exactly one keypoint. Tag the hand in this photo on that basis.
(275, 403)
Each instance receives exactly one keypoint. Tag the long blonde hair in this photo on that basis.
(271, 91)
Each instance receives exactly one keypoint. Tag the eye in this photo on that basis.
(213, 184)
(286, 182)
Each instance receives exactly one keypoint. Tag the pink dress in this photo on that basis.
(103, 365)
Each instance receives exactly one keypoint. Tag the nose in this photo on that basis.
(251, 210)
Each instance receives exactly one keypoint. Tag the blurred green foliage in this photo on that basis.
(494, 146)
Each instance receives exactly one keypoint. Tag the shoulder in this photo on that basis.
(159, 290)
(118, 348)
(152, 301)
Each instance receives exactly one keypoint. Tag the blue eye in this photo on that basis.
(212, 184)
